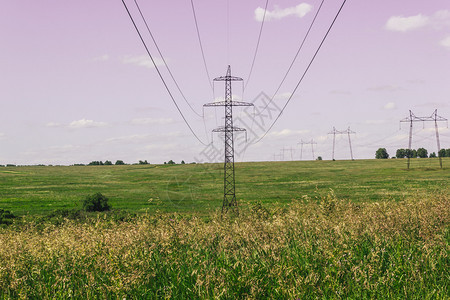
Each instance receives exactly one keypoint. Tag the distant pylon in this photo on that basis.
(348, 132)
(413, 118)
(307, 143)
(229, 190)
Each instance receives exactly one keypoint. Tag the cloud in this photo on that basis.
(103, 57)
(53, 124)
(441, 19)
(152, 121)
(83, 123)
(437, 21)
(142, 61)
(445, 42)
(340, 92)
(385, 88)
(278, 13)
(389, 106)
(403, 24)
(287, 132)
(135, 138)
(376, 122)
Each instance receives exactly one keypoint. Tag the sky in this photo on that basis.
(77, 84)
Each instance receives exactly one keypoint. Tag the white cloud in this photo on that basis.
(135, 138)
(441, 19)
(53, 124)
(445, 42)
(376, 122)
(278, 13)
(103, 57)
(340, 92)
(287, 132)
(389, 106)
(152, 121)
(142, 61)
(283, 96)
(438, 21)
(403, 24)
(385, 88)
(83, 123)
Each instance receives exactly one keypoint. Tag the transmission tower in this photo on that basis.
(229, 190)
(348, 132)
(433, 118)
(307, 143)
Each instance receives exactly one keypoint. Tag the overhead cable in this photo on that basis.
(164, 61)
(304, 73)
(201, 46)
(257, 45)
(160, 75)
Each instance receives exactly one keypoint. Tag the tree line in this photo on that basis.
(381, 153)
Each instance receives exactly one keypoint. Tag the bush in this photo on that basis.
(6, 217)
(96, 202)
(381, 153)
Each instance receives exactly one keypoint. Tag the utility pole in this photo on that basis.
(348, 132)
(413, 118)
(288, 149)
(229, 189)
(292, 153)
(312, 147)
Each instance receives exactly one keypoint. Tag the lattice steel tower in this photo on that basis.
(433, 118)
(229, 190)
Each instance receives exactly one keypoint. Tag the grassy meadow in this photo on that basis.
(198, 188)
(365, 229)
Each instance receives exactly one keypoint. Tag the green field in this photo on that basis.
(366, 229)
(198, 188)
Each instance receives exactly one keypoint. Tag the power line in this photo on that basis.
(159, 73)
(201, 46)
(304, 73)
(295, 57)
(257, 44)
(162, 57)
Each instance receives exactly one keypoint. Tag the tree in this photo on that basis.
(108, 163)
(381, 153)
(432, 154)
(170, 162)
(422, 153)
(408, 153)
(96, 202)
(447, 152)
(401, 153)
(145, 162)
(319, 158)
(182, 162)
(119, 162)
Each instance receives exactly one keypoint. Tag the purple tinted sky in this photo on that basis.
(77, 84)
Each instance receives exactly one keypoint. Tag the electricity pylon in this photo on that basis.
(348, 132)
(433, 118)
(307, 143)
(229, 190)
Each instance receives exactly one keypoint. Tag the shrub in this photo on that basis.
(381, 153)
(6, 217)
(96, 202)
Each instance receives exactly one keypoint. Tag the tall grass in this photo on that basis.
(315, 248)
